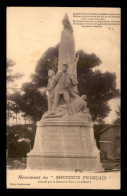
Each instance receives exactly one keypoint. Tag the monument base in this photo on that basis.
(64, 145)
(64, 163)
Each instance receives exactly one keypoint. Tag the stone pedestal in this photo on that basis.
(64, 145)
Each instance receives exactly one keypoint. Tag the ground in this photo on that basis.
(20, 163)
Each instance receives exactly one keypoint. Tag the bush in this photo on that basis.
(20, 139)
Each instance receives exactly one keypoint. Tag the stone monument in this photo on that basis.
(64, 138)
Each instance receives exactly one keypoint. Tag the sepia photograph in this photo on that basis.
(63, 109)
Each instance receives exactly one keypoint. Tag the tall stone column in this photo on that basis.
(67, 45)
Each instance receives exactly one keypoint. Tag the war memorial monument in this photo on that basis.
(64, 137)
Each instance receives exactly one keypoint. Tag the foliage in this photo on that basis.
(34, 103)
(97, 86)
(11, 104)
(49, 60)
(11, 77)
(20, 139)
(31, 102)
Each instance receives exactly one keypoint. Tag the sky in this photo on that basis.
(32, 30)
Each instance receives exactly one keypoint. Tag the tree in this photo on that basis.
(48, 60)
(11, 77)
(34, 103)
(20, 139)
(11, 105)
(97, 86)
(31, 102)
